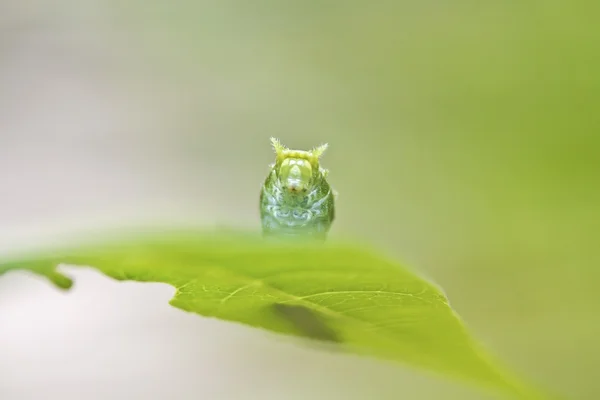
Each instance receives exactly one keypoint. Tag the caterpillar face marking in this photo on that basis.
(296, 197)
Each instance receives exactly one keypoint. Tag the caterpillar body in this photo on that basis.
(296, 198)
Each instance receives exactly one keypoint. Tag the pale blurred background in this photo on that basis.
(464, 140)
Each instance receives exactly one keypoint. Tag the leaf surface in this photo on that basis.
(342, 294)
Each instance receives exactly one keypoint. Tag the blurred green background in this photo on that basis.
(464, 140)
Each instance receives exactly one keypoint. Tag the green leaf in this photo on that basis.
(342, 294)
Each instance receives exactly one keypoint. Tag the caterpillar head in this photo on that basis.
(297, 170)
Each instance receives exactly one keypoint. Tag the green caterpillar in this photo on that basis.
(296, 198)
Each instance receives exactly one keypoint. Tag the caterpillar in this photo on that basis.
(296, 198)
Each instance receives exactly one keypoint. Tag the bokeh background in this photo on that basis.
(464, 140)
